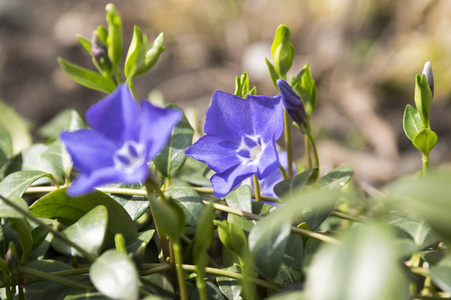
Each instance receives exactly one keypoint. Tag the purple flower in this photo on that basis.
(124, 136)
(240, 139)
(292, 102)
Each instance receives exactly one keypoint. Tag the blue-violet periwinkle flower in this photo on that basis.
(240, 139)
(292, 102)
(124, 136)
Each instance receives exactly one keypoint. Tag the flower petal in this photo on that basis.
(156, 126)
(224, 182)
(217, 153)
(228, 117)
(292, 102)
(267, 116)
(116, 116)
(89, 149)
(268, 161)
(87, 182)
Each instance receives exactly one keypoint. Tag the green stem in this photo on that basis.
(150, 188)
(52, 277)
(249, 288)
(201, 287)
(425, 164)
(178, 265)
(284, 173)
(315, 151)
(49, 229)
(307, 151)
(287, 136)
(214, 271)
(258, 197)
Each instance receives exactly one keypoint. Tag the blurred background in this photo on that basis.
(364, 55)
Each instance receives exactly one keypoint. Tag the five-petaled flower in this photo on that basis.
(240, 139)
(124, 136)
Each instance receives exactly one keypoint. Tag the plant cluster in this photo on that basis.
(128, 207)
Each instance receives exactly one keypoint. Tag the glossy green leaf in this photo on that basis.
(152, 54)
(133, 54)
(337, 178)
(159, 284)
(114, 39)
(364, 265)
(425, 140)
(58, 159)
(88, 232)
(411, 122)
(134, 241)
(287, 186)
(115, 275)
(16, 126)
(68, 120)
(6, 147)
(230, 287)
(170, 217)
(441, 274)
(15, 184)
(86, 77)
(58, 205)
(22, 227)
(7, 211)
(240, 198)
(135, 205)
(272, 73)
(85, 42)
(423, 99)
(45, 290)
(41, 240)
(189, 201)
(213, 292)
(290, 270)
(172, 157)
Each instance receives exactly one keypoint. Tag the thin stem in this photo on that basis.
(163, 241)
(49, 229)
(52, 277)
(178, 265)
(255, 217)
(345, 216)
(201, 287)
(287, 136)
(218, 272)
(284, 173)
(308, 155)
(315, 151)
(256, 188)
(249, 288)
(20, 286)
(425, 164)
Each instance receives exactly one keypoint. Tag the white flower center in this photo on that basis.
(129, 157)
(250, 149)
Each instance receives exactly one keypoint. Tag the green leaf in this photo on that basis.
(22, 227)
(290, 271)
(66, 120)
(425, 140)
(230, 287)
(364, 265)
(86, 77)
(114, 39)
(16, 126)
(189, 201)
(7, 211)
(308, 88)
(287, 186)
(213, 292)
(6, 147)
(267, 242)
(58, 159)
(172, 157)
(169, 217)
(88, 232)
(135, 205)
(135, 241)
(423, 99)
(441, 274)
(240, 198)
(41, 240)
(272, 73)
(133, 54)
(115, 275)
(15, 184)
(85, 42)
(58, 205)
(159, 284)
(203, 239)
(411, 122)
(337, 178)
(290, 295)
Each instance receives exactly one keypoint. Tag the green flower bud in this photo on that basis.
(11, 257)
(282, 51)
(99, 51)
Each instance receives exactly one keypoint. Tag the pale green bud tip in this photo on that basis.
(427, 70)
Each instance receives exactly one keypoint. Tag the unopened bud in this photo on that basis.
(99, 50)
(11, 257)
(292, 102)
(427, 70)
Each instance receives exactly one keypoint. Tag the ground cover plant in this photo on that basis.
(126, 206)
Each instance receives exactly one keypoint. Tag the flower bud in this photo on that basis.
(138, 255)
(427, 70)
(99, 51)
(292, 102)
(282, 50)
(11, 257)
